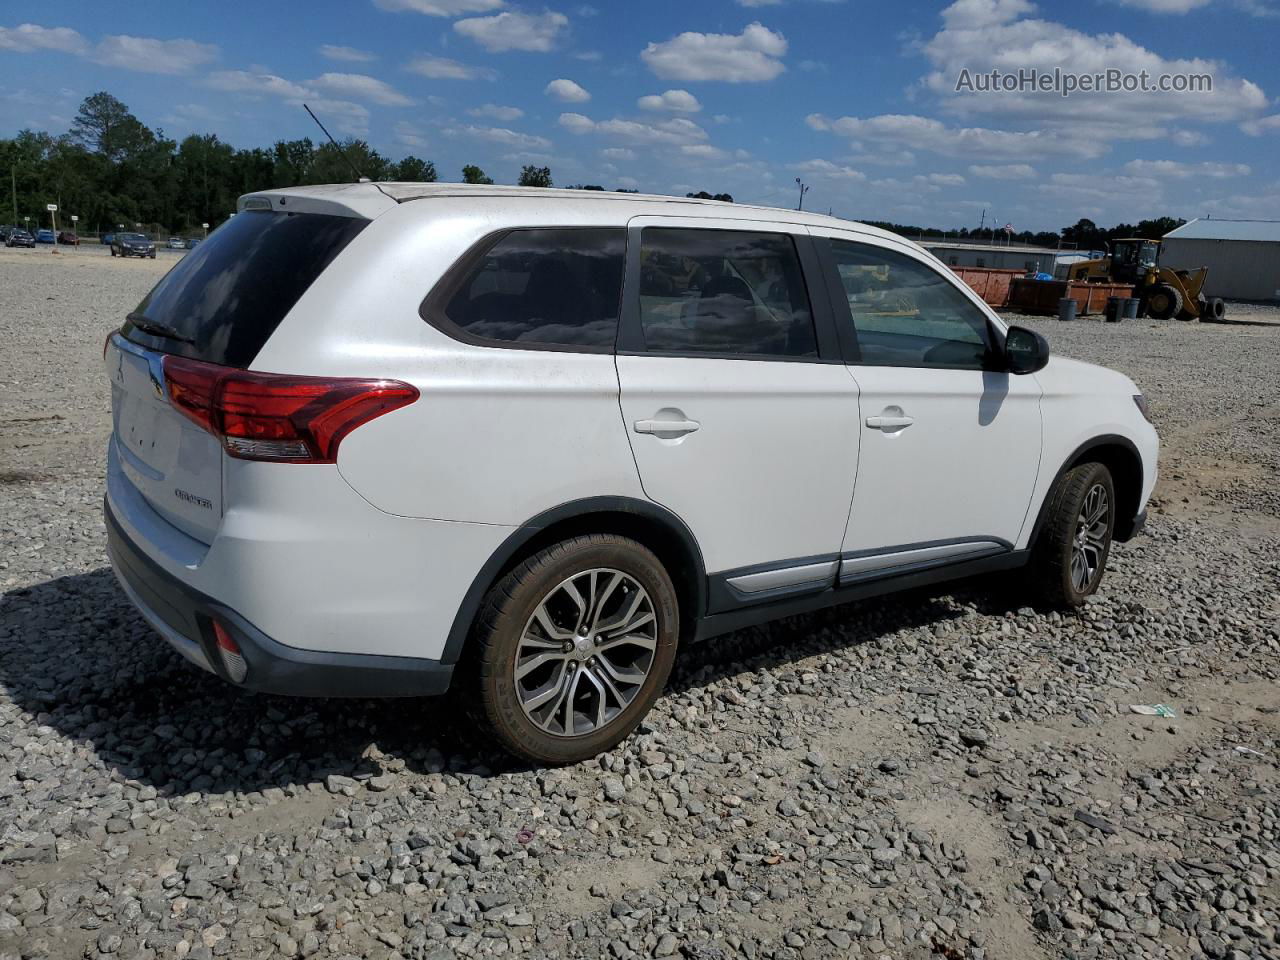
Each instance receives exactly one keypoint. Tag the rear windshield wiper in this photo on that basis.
(158, 329)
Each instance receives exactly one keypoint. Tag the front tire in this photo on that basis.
(574, 646)
(1164, 302)
(1070, 555)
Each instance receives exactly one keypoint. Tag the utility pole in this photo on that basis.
(13, 182)
(804, 188)
(984, 221)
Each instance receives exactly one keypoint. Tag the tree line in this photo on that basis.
(110, 168)
(1084, 234)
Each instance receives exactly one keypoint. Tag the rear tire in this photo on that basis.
(1163, 302)
(1217, 310)
(573, 647)
(1070, 555)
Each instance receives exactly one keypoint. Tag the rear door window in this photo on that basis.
(225, 298)
(557, 287)
(726, 292)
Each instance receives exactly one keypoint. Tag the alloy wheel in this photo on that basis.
(585, 652)
(1089, 546)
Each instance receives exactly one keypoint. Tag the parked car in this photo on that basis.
(44, 235)
(68, 238)
(175, 243)
(19, 238)
(132, 245)
(108, 239)
(192, 242)
(532, 442)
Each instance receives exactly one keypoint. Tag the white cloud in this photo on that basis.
(1184, 171)
(1003, 171)
(149, 55)
(702, 151)
(1188, 138)
(30, 37)
(1262, 125)
(342, 116)
(566, 91)
(618, 153)
(985, 35)
(442, 68)
(254, 83)
(752, 56)
(408, 135)
(826, 170)
(759, 3)
(925, 133)
(357, 86)
(503, 136)
(945, 179)
(348, 54)
(440, 8)
(1167, 6)
(496, 111)
(672, 101)
(514, 31)
(676, 130)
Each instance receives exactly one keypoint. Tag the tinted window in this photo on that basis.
(723, 291)
(905, 313)
(553, 287)
(229, 294)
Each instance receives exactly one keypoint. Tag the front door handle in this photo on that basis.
(675, 428)
(889, 423)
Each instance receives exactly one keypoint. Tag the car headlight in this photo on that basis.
(1141, 402)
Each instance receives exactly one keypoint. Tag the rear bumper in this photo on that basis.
(184, 617)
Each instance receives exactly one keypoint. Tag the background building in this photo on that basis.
(998, 256)
(1243, 256)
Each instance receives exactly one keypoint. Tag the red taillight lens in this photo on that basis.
(269, 416)
(229, 653)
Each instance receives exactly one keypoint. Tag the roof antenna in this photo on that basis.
(360, 178)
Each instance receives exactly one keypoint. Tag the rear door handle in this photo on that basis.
(889, 423)
(672, 427)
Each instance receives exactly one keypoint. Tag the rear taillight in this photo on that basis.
(269, 416)
(229, 654)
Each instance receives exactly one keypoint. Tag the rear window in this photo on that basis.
(556, 287)
(222, 301)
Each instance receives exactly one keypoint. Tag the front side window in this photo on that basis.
(544, 287)
(906, 314)
(723, 292)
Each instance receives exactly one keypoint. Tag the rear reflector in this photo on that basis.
(229, 651)
(270, 416)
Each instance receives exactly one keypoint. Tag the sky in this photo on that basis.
(858, 99)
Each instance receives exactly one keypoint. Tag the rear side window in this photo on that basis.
(723, 292)
(544, 287)
(906, 314)
(225, 298)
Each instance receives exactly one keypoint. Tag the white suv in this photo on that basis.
(384, 439)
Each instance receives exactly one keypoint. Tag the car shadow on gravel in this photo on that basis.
(77, 657)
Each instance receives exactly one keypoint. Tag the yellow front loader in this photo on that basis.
(1162, 291)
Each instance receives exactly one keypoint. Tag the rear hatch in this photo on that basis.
(219, 304)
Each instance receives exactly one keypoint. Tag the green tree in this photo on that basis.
(473, 174)
(105, 124)
(291, 162)
(333, 165)
(532, 176)
(414, 170)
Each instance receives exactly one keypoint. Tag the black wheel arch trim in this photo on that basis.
(571, 510)
(1125, 527)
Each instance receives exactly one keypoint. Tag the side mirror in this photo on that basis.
(1025, 351)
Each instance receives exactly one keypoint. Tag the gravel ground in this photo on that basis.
(941, 774)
